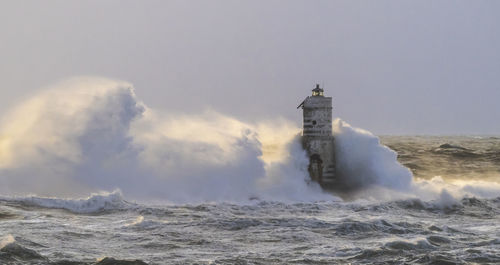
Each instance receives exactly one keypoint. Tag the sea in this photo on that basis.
(461, 225)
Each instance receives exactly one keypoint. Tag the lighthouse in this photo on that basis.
(317, 137)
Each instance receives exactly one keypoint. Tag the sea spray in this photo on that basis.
(96, 202)
(92, 134)
(362, 161)
(288, 179)
(64, 140)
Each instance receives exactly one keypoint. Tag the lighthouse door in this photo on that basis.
(316, 168)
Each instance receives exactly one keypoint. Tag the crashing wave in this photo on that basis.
(11, 251)
(91, 134)
(93, 204)
(363, 161)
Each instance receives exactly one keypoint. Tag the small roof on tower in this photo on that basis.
(317, 88)
(317, 91)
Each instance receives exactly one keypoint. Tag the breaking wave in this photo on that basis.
(93, 204)
(88, 134)
(363, 161)
(12, 252)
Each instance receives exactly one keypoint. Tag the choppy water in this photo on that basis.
(414, 230)
(453, 157)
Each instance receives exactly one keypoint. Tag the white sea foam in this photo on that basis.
(288, 179)
(363, 161)
(446, 200)
(142, 223)
(439, 189)
(92, 204)
(90, 134)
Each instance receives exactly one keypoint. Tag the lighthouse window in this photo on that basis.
(314, 122)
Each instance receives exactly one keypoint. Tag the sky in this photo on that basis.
(392, 67)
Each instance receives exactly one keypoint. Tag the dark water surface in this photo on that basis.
(452, 157)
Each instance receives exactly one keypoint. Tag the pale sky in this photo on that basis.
(392, 67)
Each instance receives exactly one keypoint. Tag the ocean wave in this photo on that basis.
(7, 215)
(358, 228)
(95, 203)
(446, 204)
(87, 134)
(94, 134)
(362, 161)
(11, 251)
(421, 244)
(112, 261)
(141, 223)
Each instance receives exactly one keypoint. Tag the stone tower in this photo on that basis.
(317, 138)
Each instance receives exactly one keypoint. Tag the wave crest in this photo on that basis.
(95, 203)
(90, 134)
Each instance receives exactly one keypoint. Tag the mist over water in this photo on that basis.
(91, 134)
(89, 172)
(88, 135)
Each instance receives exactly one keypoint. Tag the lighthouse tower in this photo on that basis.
(317, 138)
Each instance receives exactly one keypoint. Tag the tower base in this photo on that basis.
(322, 165)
